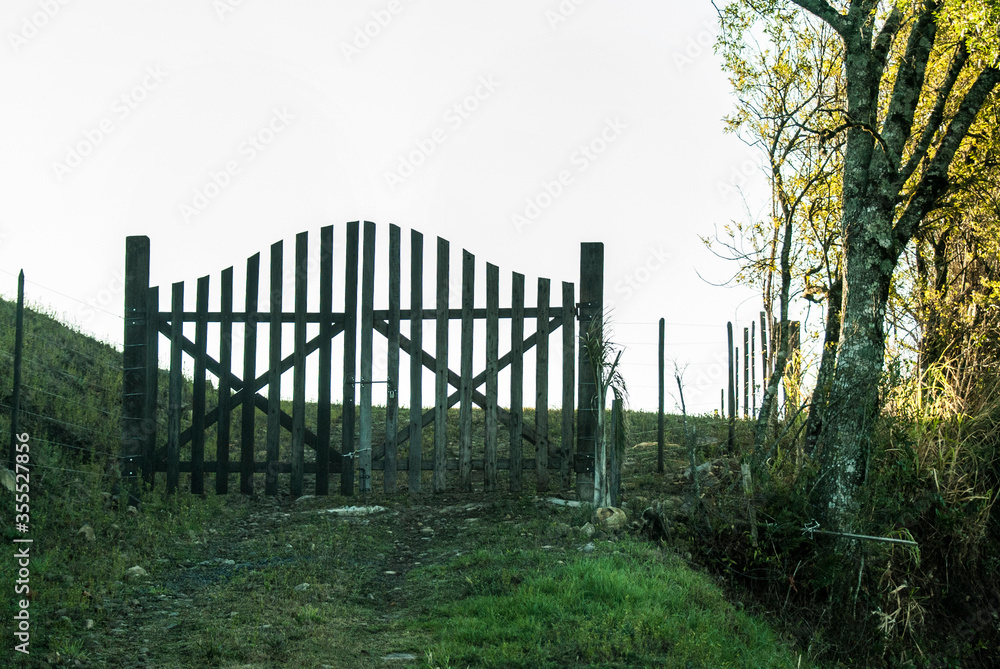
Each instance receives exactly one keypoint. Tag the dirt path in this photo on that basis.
(235, 594)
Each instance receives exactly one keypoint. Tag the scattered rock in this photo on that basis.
(572, 503)
(562, 530)
(588, 530)
(400, 656)
(355, 510)
(587, 548)
(702, 468)
(135, 572)
(302, 587)
(132, 511)
(89, 624)
(7, 478)
(609, 518)
(426, 530)
(304, 498)
(87, 531)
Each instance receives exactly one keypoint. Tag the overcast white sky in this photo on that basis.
(592, 120)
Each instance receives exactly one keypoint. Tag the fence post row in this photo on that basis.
(187, 431)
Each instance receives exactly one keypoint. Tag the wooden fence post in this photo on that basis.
(746, 373)
(659, 414)
(134, 360)
(591, 307)
(614, 462)
(765, 371)
(732, 391)
(15, 403)
(152, 384)
(753, 370)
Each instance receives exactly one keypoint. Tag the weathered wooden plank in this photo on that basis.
(516, 378)
(492, 369)
(591, 308)
(299, 362)
(152, 384)
(274, 371)
(377, 314)
(350, 355)
(441, 368)
(198, 386)
(392, 364)
(226, 361)
(416, 364)
(542, 387)
(174, 392)
(310, 467)
(247, 412)
(465, 385)
(568, 383)
(325, 360)
(367, 305)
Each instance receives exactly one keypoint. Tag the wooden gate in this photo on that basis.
(187, 430)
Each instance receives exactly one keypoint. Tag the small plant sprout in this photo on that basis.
(604, 357)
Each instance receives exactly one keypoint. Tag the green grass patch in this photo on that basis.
(624, 605)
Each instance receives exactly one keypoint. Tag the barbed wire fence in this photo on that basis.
(66, 398)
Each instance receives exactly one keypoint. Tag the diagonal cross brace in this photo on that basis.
(238, 398)
(454, 380)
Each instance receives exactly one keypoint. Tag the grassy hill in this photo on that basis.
(451, 580)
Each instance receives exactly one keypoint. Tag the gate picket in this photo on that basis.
(441, 368)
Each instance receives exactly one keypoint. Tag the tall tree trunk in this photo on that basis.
(827, 364)
(853, 404)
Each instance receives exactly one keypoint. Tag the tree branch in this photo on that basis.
(825, 11)
(880, 50)
(937, 115)
(934, 181)
(909, 83)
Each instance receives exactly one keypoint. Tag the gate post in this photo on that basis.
(591, 307)
(135, 362)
